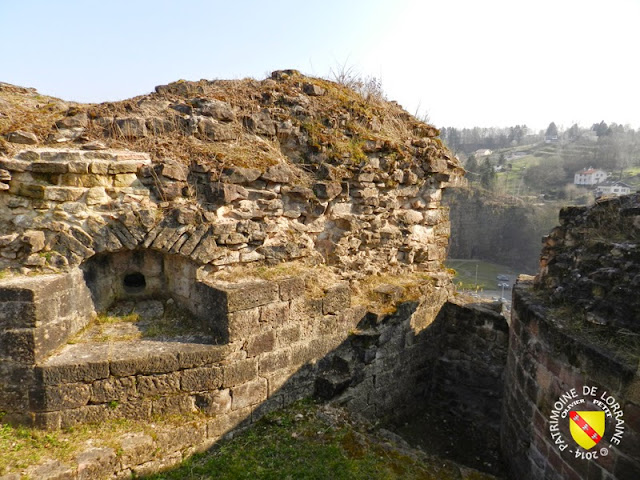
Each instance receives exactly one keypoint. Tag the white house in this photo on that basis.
(483, 152)
(612, 188)
(589, 176)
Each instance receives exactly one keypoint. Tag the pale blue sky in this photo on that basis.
(464, 62)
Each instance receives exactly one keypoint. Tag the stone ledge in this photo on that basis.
(87, 362)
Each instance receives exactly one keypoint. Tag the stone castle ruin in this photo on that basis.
(229, 247)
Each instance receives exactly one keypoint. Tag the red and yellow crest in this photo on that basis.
(587, 427)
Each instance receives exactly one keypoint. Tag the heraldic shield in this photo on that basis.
(587, 427)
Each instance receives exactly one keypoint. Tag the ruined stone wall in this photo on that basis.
(574, 338)
(546, 359)
(106, 212)
(468, 371)
(87, 202)
(389, 370)
(593, 259)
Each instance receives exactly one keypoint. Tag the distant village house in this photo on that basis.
(612, 188)
(589, 176)
(483, 152)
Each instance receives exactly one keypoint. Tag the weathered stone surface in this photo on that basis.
(174, 404)
(63, 194)
(272, 361)
(274, 314)
(336, 299)
(239, 175)
(313, 90)
(96, 462)
(327, 190)
(217, 109)
(261, 343)
(215, 131)
(260, 123)
(243, 323)
(80, 368)
(114, 390)
(20, 136)
(239, 372)
(51, 470)
(243, 296)
(214, 403)
(224, 192)
(280, 173)
(57, 397)
(248, 394)
(131, 127)
(174, 171)
(79, 120)
(136, 448)
(201, 379)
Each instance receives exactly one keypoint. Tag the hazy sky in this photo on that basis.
(463, 62)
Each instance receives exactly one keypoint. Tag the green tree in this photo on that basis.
(546, 175)
(488, 176)
(552, 130)
(601, 129)
(472, 164)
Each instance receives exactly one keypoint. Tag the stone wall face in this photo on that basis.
(593, 258)
(546, 360)
(389, 370)
(37, 316)
(281, 347)
(64, 206)
(468, 370)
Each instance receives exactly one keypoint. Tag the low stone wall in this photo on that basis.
(37, 315)
(269, 330)
(379, 366)
(548, 358)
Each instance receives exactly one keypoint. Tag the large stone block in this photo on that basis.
(287, 335)
(49, 167)
(50, 470)
(113, 390)
(260, 343)
(214, 403)
(243, 324)
(60, 397)
(63, 194)
(201, 379)
(250, 393)
(17, 314)
(236, 297)
(274, 314)
(153, 385)
(239, 372)
(291, 288)
(136, 448)
(82, 368)
(174, 404)
(96, 462)
(337, 298)
(272, 361)
(222, 424)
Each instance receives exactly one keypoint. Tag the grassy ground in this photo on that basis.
(465, 278)
(308, 442)
(25, 446)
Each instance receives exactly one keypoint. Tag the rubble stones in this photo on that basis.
(20, 136)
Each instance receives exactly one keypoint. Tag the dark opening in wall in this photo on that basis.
(134, 282)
